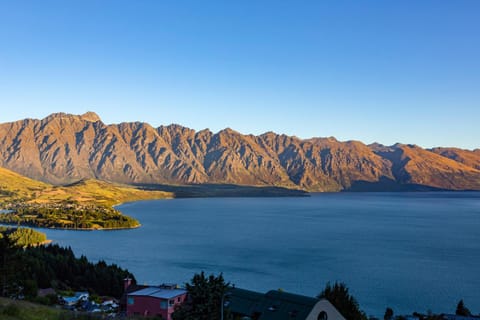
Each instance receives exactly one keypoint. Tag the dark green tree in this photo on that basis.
(462, 310)
(388, 314)
(30, 288)
(205, 295)
(8, 263)
(345, 303)
(22, 271)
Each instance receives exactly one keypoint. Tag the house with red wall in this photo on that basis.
(155, 301)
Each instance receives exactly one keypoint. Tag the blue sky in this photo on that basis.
(384, 71)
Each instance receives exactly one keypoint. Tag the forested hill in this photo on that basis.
(64, 148)
(25, 270)
(23, 237)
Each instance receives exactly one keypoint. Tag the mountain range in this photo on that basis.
(64, 148)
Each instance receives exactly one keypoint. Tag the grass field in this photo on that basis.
(15, 187)
(22, 310)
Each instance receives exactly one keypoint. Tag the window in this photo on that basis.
(171, 303)
(163, 304)
(322, 316)
(130, 301)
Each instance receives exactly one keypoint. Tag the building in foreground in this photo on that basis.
(278, 305)
(155, 301)
(161, 301)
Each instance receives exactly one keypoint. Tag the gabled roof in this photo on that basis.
(46, 292)
(291, 298)
(274, 305)
(243, 301)
(77, 297)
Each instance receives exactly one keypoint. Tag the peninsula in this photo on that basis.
(85, 205)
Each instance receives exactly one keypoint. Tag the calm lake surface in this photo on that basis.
(409, 251)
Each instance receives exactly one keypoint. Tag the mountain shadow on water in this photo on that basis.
(223, 190)
(388, 185)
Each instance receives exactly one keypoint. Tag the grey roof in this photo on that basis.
(243, 301)
(274, 305)
(144, 292)
(292, 298)
(157, 292)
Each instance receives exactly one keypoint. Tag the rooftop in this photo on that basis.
(274, 305)
(158, 292)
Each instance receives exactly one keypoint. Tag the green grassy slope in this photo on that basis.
(22, 310)
(15, 187)
(86, 204)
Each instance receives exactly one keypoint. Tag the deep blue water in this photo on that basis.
(409, 251)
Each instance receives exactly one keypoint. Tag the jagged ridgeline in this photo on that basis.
(65, 148)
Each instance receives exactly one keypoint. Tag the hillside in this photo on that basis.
(64, 148)
(466, 157)
(15, 187)
(23, 237)
(22, 310)
(84, 205)
(26, 269)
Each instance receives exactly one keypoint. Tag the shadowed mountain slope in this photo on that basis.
(466, 157)
(64, 148)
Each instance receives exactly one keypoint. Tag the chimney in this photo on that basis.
(127, 282)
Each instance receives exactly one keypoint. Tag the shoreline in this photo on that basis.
(154, 192)
(71, 229)
(139, 200)
(43, 243)
(206, 191)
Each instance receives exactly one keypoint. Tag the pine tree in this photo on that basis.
(388, 314)
(204, 298)
(462, 310)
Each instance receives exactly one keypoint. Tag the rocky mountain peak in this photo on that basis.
(90, 116)
(63, 148)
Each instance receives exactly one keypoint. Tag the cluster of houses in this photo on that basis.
(81, 301)
(160, 301)
(150, 301)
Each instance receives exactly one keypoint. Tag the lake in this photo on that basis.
(408, 251)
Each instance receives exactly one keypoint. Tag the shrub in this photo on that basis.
(11, 310)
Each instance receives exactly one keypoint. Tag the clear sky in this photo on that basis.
(386, 71)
